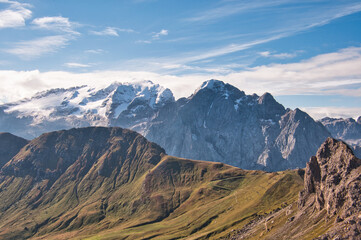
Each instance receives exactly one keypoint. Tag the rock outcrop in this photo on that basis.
(328, 206)
(333, 182)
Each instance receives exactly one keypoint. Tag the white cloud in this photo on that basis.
(95, 51)
(15, 15)
(162, 32)
(144, 41)
(326, 74)
(265, 53)
(55, 24)
(106, 32)
(155, 36)
(332, 73)
(294, 23)
(197, 56)
(269, 54)
(111, 31)
(37, 47)
(333, 112)
(77, 65)
(332, 11)
(233, 8)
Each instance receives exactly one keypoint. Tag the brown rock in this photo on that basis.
(333, 182)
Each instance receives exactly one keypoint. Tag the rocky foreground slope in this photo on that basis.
(329, 206)
(218, 122)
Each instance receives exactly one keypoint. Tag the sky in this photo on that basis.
(306, 53)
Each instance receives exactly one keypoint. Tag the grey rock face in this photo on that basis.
(216, 123)
(347, 130)
(220, 123)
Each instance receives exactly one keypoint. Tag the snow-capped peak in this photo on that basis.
(212, 84)
(100, 104)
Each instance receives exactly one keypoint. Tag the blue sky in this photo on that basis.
(306, 53)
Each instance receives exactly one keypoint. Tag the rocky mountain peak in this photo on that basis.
(269, 107)
(359, 120)
(266, 98)
(333, 181)
(220, 88)
(75, 152)
(213, 84)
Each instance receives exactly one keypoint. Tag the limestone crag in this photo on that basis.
(221, 123)
(333, 182)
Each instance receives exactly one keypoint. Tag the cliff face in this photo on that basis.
(221, 123)
(333, 183)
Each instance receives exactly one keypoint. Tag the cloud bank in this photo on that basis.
(15, 15)
(326, 74)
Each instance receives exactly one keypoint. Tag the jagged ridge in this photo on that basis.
(218, 122)
(328, 207)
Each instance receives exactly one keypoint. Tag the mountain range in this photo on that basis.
(111, 183)
(347, 129)
(218, 122)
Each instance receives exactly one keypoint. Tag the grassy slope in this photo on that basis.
(227, 198)
(175, 199)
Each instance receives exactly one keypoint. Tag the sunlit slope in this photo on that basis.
(111, 183)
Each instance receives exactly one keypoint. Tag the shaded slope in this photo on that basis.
(9, 146)
(111, 183)
(60, 173)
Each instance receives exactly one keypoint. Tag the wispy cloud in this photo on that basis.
(95, 51)
(232, 8)
(326, 74)
(155, 36)
(331, 73)
(144, 41)
(335, 112)
(111, 31)
(302, 22)
(193, 57)
(59, 24)
(76, 65)
(15, 15)
(37, 47)
(269, 54)
(162, 32)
